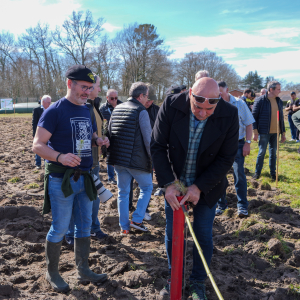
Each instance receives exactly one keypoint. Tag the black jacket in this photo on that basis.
(106, 110)
(217, 149)
(36, 114)
(153, 111)
(127, 146)
(262, 114)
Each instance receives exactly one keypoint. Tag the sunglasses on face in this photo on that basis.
(113, 98)
(212, 101)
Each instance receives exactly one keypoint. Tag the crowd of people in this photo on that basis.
(195, 137)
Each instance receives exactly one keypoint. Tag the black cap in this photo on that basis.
(293, 93)
(183, 87)
(174, 89)
(80, 72)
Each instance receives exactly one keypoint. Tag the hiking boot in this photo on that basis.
(82, 252)
(138, 226)
(197, 290)
(255, 176)
(147, 216)
(69, 240)
(52, 251)
(274, 178)
(242, 213)
(99, 235)
(158, 192)
(219, 211)
(166, 290)
(124, 232)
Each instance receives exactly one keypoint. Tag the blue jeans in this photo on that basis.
(144, 181)
(202, 226)
(62, 208)
(38, 160)
(110, 172)
(292, 127)
(264, 140)
(95, 221)
(240, 181)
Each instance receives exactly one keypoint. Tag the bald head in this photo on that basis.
(206, 87)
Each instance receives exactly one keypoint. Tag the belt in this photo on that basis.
(242, 140)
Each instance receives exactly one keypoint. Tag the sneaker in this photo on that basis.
(111, 181)
(197, 290)
(158, 192)
(124, 232)
(147, 216)
(166, 289)
(99, 235)
(38, 167)
(219, 211)
(255, 176)
(242, 212)
(69, 240)
(139, 226)
(292, 140)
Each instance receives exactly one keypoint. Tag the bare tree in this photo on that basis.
(77, 36)
(139, 46)
(186, 68)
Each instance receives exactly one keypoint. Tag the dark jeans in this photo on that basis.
(202, 226)
(240, 181)
(111, 172)
(37, 160)
(264, 140)
(292, 127)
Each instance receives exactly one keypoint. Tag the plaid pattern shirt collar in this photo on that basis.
(189, 171)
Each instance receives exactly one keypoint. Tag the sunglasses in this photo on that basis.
(201, 99)
(113, 98)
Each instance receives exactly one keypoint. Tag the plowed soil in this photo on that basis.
(254, 258)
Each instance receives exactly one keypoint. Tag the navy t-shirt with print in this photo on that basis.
(71, 128)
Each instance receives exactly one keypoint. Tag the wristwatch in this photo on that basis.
(248, 141)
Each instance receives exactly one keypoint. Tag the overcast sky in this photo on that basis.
(251, 35)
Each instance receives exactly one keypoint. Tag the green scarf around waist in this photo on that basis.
(66, 188)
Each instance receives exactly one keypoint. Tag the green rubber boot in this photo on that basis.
(52, 251)
(82, 252)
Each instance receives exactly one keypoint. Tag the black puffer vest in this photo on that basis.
(127, 147)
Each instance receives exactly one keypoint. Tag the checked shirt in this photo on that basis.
(196, 129)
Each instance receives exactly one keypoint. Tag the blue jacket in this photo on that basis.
(262, 114)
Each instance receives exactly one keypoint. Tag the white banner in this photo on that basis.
(7, 104)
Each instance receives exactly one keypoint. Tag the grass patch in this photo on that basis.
(285, 247)
(228, 250)
(14, 179)
(246, 224)
(294, 289)
(289, 165)
(32, 185)
(35, 171)
(17, 115)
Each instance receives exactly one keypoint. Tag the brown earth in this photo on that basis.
(254, 258)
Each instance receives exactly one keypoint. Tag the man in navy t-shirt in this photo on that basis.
(69, 187)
